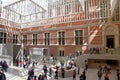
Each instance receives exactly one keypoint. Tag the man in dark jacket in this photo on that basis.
(45, 70)
(31, 73)
(2, 76)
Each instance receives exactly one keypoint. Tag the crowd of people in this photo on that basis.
(103, 71)
(42, 76)
(3, 68)
(56, 72)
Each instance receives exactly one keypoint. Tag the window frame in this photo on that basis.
(61, 37)
(34, 39)
(47, 38)
(78, 37)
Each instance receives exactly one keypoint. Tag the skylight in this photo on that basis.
(25, 7)
(82, 3)
(42, 3)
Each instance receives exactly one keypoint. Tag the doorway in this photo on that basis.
(112, 62)
(110, 41)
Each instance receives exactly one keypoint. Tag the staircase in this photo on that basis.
(18, 71)
(112, 54)
(81, 60)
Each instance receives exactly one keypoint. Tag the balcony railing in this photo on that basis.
(64, 19)
(6, 22)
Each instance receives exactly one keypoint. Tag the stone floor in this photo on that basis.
(91, 74)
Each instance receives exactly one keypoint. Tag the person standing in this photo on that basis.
(21, 63)
(86, 64)
(50, 71)
(2, 75)
(118, 74)
(63, 72)
(45, 70)
(78, 70)
(27, 63)
(33, 64)
(74, 74)
(17, 62)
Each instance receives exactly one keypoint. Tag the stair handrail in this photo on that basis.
(18, 53)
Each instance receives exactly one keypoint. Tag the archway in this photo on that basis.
(111, 36)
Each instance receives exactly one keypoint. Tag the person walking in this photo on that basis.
(29, 78)
(35, 78)
(50, 71)
(56, 74)
(106, 77)
(42, 77)
(4, 66)
(39, 77)
(31, 73)
(81, 76)
(84, 75)
(99, 73)
(33, 64)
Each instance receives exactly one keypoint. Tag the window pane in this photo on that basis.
(47, 38)
(4, 35)
(4, 40)
(61, 38)
(78, 37)
(24, 39)
(35, 39)
(1, 40)
(1, 34)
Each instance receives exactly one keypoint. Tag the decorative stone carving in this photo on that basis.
(111, 30)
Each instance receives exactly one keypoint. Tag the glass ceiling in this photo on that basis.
(25, 7)
(30, 11)
(23, 11)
